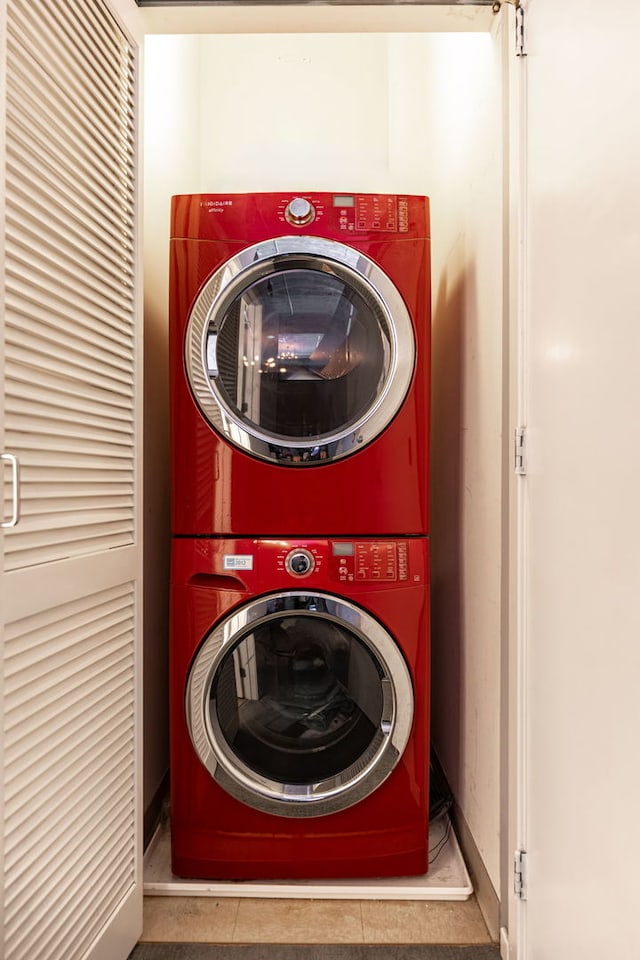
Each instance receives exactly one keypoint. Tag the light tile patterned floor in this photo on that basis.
(243, 920)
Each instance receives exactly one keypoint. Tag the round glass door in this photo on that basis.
(299, 704)
(300, 350)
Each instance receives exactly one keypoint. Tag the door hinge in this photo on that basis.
(521, 47)
(520, 874)
(519, 12)
(520, 451)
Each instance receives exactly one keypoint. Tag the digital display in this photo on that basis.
(342, 549)
(339, 201)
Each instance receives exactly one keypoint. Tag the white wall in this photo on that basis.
(412, 113)
(464, 138)
(281, 114)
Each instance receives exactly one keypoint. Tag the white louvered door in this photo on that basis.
(71, 565)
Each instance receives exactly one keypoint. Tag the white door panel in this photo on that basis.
(71, 605)
(583, 542)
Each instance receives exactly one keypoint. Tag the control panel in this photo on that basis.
(371, 561)
(350, 213)
(345, 561)
(254, 217)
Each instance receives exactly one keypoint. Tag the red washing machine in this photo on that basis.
(299, 708)
(300, 346)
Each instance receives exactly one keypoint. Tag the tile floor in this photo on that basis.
(244, 920)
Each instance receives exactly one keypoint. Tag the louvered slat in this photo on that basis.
(53, 150)
(106, 396)
(93, 400)
(69, 773)
(67, 348)
(23, 296)
(60, 213)
(69, 328)
(86, 428)
(77, 791)
(53, 271)
(77, 544)
(63, 191)
(70, 717)
(71, 260)
(90, 89)
(23, 406)
(52, 491)
(50, 641)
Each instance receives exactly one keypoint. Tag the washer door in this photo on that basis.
(299, 704)
(299, 350)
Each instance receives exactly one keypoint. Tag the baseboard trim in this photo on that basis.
(485, 893)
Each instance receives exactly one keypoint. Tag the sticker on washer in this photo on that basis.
(237, 561)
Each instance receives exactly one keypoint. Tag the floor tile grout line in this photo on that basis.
(362, 927)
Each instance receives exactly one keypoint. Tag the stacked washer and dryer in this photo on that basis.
(299, 643)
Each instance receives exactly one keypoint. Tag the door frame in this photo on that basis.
(418, 18)
(515, 412)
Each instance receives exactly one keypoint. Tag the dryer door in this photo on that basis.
(299, 704)
(300, 350)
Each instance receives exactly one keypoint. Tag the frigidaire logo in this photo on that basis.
(216, 203)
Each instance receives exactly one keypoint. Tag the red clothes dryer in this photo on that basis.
(299, 346)
(299, 708)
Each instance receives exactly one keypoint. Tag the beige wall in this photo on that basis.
(278, 114)
(401, 113)
(170, 165)
(464, 124)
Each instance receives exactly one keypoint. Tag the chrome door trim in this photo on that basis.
(335, 793)
(313, 253)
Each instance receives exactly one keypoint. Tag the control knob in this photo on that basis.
(300, 562)
(299, 212)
